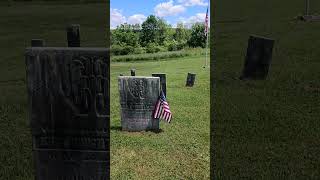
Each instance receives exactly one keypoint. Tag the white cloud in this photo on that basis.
(136, 19)
(168, 9)
(193, 2)
(199, 17)
(116, 18)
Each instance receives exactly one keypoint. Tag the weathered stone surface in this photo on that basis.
(138, 97)
(37, 43)
(258, 58)
(133, 72)
(68, 91)
(163, 82)
(73, 35)
(190, 79)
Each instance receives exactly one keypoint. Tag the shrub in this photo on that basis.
(139, 50)
(127, 50)
(152, 48)
(154, 56)
(121, 50)
(172, 46)
(116, 50)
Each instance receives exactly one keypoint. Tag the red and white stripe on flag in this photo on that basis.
(162, 110)
(206, 23)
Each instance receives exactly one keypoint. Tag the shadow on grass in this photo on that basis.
(118, 128)
(157, 131)
(115, 128)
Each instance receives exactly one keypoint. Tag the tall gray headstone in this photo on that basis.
(73, 35)
(68, 94)
(138, 97)
(191, 77)
(37, 43)
(163, 82)
(258, 58)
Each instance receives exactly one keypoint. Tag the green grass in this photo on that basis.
(181, 151)
(19, 24)
(160, 55)
(266, 129)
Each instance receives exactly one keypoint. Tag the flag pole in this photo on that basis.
(206, 28)
(207, 49)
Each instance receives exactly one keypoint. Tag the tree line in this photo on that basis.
(155, 35)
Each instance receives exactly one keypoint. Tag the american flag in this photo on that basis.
(162, 109)
(206, 23)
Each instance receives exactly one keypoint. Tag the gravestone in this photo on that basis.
(258, 58)
(190, 79)
(163, 82)
(68, 98)
(73, 35)
(37, 43)
(138, 97)
(307, 7)
(133, 72)
(307, 15)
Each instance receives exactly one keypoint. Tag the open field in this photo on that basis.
(266, 129)
(181, 150)
(19, 24)
(160, 55)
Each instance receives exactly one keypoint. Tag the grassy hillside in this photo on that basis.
(181, 150)
(266, 129)
(19, 24)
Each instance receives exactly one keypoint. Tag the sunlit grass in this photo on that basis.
(181, 151)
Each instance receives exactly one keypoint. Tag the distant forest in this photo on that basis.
(155, 35)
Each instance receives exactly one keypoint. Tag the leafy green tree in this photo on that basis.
(154, 30)
(181, 33)
(136, 28)
(149, 30)
(124, 35)
(161, 33)
(197, 37)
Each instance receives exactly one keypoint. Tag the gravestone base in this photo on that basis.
(309, 18)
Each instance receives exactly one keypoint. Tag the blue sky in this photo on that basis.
(173, 11)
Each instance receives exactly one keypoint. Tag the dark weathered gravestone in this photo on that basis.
(138, 97)
(258, 58)
(133, 72)
(68, 94)
(307, 15)
(307, 7)
(37, 43)
(163, 82)
(73, 35)
(190, 79)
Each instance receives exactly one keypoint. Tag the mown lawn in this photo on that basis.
(181, 150)
(266, 129)
(20, 23)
